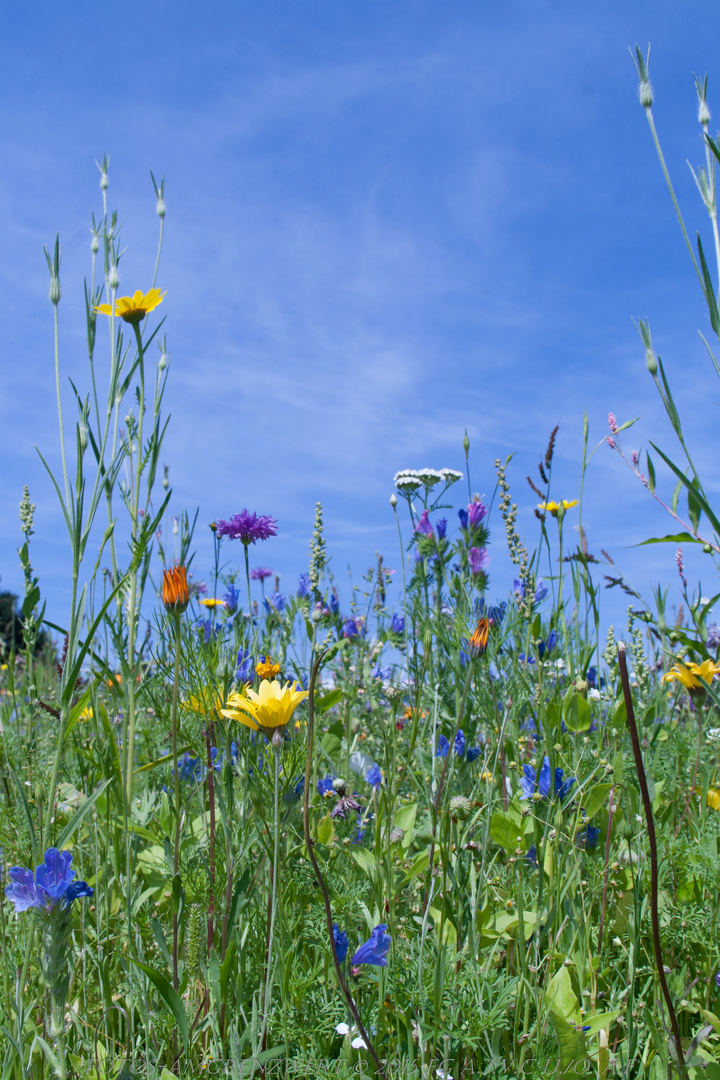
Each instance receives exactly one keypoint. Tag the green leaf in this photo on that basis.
(599, 1021)
(676, 496)
(709, 289)
(694, 507)
(418, 866)
(560, 997)
(405, 820)
(159, 935)
(77, 819)
(595, 799)
(322, 704)
(364, 859)
(672, 538)
(325, 833)
(620, 717)
(702, 501)
(169, 995)
(505, 831)
(576, 712)
(651, 473)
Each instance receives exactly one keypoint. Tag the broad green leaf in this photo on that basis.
(364, 859)
(169, 995)
(576, 713)
(508, 923)
(599, 1021)
(651, 473)
(505, 831)
(418, 866)
(620, 715)
(560, 997)
(322, 704)
(325, 832)
(595, 799)
(405, 820)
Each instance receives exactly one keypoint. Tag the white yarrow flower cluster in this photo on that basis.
(411, 479)
(713, 736)
(407, 480)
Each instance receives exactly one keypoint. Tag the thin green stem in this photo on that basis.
(59, 405)
(176, 851)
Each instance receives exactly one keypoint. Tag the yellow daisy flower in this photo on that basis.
(269, 710)
(689, 675)
(133, 309)
(267, 668)
(210, 602)
(554, 508)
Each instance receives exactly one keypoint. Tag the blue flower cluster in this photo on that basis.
(529, 787)
(52, 884)
(458, 747)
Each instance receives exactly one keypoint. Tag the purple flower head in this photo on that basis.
(717, 979)
(442, 747)
(333, 603)
(424, 526)
(382, 673)
(376, 949)
(397, 623)
(259, 573)
(464, 518)
(441, 527)
(341, 942)
(54, 874)
(247, 527)
(473, 753)
(478, 559)
(52, 882)
(587, 838)
(459, 745)
(351, 628)
(23, 891)
(245, 665)
(532, 855)
(476, 511)
(303, 585)
(190, 768)
(275, 602)
(374, 776)
(231, 599)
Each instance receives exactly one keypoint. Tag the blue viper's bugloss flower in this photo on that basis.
(51, 882)
(189, 768)
(397, 623)
(424, 525)
(562, 785)
(374, 776)
(540, 590)
(383, 673)
(375, 950)
(441, 527)
(478, 559)
(247, 527)
(717, 979)
(591, 677)
(473, 753)
(442, 747)
(333, 603)
(325, 785)
(341, 942)
(275, 602)
(459, 747)
(587, 838)
(351, 628)
(303, 585)
(245, 665)
(547, 646)
(218, 756)
(231, 599)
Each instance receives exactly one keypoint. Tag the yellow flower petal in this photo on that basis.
(133, 309)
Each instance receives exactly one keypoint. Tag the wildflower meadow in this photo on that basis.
(255, 828)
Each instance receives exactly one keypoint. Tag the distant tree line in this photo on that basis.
(11, 628)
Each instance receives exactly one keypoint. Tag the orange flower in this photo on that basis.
(267, 668)
(175, 595)
(479, 640)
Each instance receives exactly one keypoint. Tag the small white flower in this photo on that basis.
(358, 1043)
(713, 735)
(594, 694)
(443, 1075)
(704, 601)
(430, 477)
(342, 1029)
(450, 475)
(560, 664)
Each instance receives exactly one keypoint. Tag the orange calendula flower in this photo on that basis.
(691, 674)
(478, 642)
(267, 668)
(133, 309)
(175, 595)
(269, 710)
(554, 508)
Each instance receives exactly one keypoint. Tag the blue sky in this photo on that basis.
(387, 222)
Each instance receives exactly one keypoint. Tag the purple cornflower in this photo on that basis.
(259, 573)
(341, 942)
(52, 882)
(478, 559)
(375, 950)
(303, 585)
(397, 623)
(424, 525)
(247, 527)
